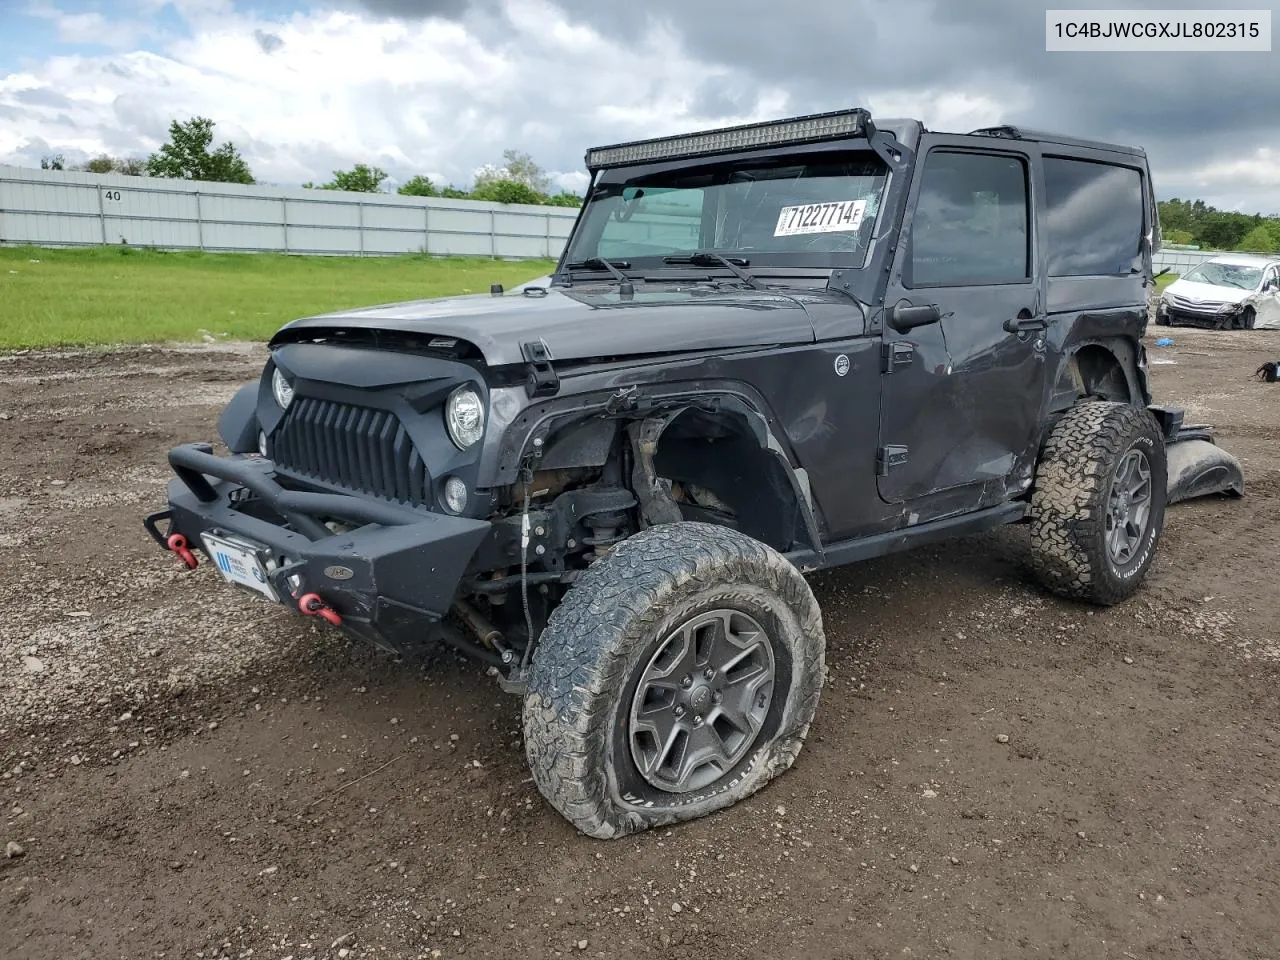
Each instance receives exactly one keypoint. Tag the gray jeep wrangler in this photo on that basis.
(766, 350)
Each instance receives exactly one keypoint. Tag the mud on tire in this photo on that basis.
(1095, 454)
(591, 672)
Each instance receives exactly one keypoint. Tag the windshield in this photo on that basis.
(819, 212)
(1239, 275)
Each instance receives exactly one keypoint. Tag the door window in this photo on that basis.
(971, 223)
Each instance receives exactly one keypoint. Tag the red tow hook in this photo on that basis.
(312, 605)
(178, 544)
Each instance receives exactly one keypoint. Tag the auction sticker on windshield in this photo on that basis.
(836, 217)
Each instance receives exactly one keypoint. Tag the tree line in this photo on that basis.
(189, 154)
(1195, 222)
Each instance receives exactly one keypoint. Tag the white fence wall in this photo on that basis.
(53, 208)
(1180, 261)
(56, 208)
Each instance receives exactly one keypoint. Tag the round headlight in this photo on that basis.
(281, 389)
(464, 416)
(455, 495)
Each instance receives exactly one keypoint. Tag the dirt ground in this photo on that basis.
(192, 773)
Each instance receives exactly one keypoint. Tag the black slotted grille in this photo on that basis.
(359, 448)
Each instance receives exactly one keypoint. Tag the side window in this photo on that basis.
(1095, 218)
(971, 221)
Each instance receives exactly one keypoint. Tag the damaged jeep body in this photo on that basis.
(766, 350)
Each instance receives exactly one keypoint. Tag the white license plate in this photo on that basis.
(239, 564)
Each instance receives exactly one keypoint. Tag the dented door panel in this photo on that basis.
(961, 410)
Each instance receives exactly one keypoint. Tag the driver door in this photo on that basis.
(961, 396)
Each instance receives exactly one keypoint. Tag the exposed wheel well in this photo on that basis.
(1098, 373)
(715, 463)
(717, 472)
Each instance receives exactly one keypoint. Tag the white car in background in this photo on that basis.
(1228, 292)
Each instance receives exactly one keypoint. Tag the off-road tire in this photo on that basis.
(598, 641)
(1069, 503)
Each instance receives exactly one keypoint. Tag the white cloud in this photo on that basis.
(341, 88)
(1261, 168)
(304, 93)
(91, 27)
(1247, 182)
(956, 111)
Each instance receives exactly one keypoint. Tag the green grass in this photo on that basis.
(108, 295)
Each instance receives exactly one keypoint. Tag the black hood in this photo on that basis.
(583, 322)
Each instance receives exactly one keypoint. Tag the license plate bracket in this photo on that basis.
(240, 564)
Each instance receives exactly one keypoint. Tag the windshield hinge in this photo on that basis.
(542, 380)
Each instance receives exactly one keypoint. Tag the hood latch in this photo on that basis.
(542, 379)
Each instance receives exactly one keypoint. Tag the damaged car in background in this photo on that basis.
(766, 350)
(1229, 292)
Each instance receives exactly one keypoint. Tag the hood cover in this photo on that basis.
(584, 322)
(1206, 293)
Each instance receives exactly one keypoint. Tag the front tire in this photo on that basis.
(677, 677)
(1098, 506)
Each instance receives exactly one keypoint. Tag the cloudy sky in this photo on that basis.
(441, 87)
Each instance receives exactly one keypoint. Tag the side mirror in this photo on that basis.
(904, 317)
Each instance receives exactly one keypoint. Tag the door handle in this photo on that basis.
(1021, 324)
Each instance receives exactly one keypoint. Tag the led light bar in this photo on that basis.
(808, 129)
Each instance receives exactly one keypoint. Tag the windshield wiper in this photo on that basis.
(705, 258)
(600, 263)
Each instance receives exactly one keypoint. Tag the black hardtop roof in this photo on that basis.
(1010, 132)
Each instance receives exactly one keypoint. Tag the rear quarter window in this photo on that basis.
(1095, 217)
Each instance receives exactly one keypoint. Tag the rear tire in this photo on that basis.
(620, 677)
(1098, 506)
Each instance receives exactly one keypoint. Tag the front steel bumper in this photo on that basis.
(391, 575)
